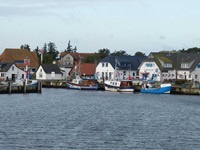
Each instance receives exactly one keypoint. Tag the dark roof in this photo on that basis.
(49, 68)
(176, 59)
(135, 61)
(5, 66)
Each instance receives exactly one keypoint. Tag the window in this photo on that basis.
(102, 75)
(198, 66)
(2, 74)
(133, 74)
(106, 64)
(149, 65)
(40, 75)
(184, 65)
(13, 68)
(102, 64)
(196, 76)
(110, 75)
(40, 70)
(167, 65)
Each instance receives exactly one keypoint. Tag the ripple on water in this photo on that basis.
(65, 119)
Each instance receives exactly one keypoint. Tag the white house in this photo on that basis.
(49, 72)
(149, 70)
(171, 66)
(11, 72)
(65, 69)
(120, 67)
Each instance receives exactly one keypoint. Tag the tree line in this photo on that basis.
(52, 54)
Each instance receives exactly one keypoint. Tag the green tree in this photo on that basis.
(45, 47)
(93, 58)
(25, 46)
(70, 49)
(191, 50)
(103, 53)
(52, 50)
(50, 53)
(47, 58)
(139, 54)
(37, 50)
(119, 53)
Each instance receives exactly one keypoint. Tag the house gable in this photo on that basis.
(17, 56)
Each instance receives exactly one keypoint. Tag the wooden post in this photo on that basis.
(24, 87)
(39, 87)
(9, 87)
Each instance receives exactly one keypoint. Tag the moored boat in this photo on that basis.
(82, 84)
(119, 85)
(162, 89)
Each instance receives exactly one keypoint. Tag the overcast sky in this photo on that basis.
(130, 25)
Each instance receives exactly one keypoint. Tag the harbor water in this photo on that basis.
(62, 119)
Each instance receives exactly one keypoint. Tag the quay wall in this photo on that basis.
(175, 89)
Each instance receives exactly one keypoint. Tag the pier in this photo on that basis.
(10, 88)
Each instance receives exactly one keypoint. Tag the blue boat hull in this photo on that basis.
(161, 90)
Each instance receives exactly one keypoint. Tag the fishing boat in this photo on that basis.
(82, 84)
(162, 89)
(119, 85)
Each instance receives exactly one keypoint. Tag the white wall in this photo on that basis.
(99, 70)
(67, 59)
(65, 72)
(150, 71)
(41, 75)
(196, 73)
(16, 71)
(119, 74)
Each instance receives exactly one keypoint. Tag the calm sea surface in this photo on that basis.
(65, 119)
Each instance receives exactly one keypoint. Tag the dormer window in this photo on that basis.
(185, 65)
(167, 65)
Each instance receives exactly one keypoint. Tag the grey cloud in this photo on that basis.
(162, 37)
(41, 7)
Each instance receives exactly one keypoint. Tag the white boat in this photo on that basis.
(119, 85)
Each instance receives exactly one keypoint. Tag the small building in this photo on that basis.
(70, 58)
(18, 56)
(49, 72)
(9, 71)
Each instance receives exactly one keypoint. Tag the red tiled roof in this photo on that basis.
(87, 69)
(14, 55)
